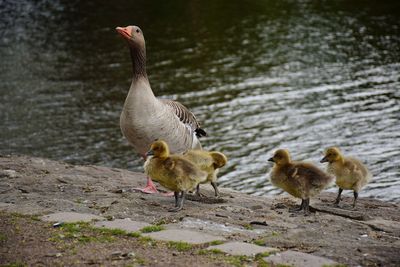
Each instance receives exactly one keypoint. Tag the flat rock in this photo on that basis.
(379, 224)
(70, 217)
(123, 224)
(242, 248)
(299, 259)
(191, 237)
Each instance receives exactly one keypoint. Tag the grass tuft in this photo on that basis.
(180, 246)
(14, 264)
(259, 242)
(152, 228)
(216, 242)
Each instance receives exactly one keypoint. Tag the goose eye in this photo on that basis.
(137, 30)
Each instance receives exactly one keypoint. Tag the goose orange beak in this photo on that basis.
(126, 32)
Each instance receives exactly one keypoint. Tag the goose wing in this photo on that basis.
(185, 116)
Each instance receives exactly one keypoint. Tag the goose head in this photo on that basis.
(281, 157)
(135, 39)
(133, 34)
(332, 154)
(158, 149)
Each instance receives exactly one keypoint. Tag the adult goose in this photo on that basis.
(145, 118)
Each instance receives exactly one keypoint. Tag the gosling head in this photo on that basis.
(158, 149)
(281, 157)
(332, 154)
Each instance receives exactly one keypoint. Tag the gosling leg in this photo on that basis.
(355, 198)
(198, 194)
(176, 195)
(214, 184)
(336, 203)
(180, 202)
(306, 207)
(198, 190)
(298, 208)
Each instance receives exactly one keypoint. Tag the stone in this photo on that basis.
(180, 235)
(70, 217)
(123, 224)
(242, 248)
(379, 224)
(8, 173)
(299, 259)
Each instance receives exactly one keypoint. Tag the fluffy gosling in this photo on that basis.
(300, 179)
(350, 173)
(173, 172)
(209, 162)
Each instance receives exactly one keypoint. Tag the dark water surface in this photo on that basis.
(260, 75)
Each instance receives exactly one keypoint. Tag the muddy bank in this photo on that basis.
(366, 236)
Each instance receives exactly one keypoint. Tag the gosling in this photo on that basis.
(350, 173)
(173, 172)
(209, 162)
(299, 179)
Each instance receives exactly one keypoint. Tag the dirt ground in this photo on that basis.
(29, 187)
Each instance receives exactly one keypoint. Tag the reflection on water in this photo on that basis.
(260, 75)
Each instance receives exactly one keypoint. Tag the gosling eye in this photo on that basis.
(137, 30)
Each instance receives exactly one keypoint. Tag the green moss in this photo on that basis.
(14, 264)
(259, 242)
(262, 263)
(140, 261)
(152, 228)
(109, 231)
(145, 240)
(134, 234)
(83, 232)
(275, 233)
(248, 226)
(203, 252)
(180, 246)
(216, 242)
(262, 255)
(216, 251)
(3, 237)
(161, 222)
(237, 261)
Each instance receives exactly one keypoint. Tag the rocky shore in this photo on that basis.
(43, 204)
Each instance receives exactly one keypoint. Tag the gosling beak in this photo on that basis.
(150, 153)
(271, 159)
(325, 159)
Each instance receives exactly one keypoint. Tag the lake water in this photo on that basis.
(259, 75)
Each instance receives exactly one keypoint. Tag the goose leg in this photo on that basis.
(214, 184)
(355, 199)
(150, 188)
(336, 203)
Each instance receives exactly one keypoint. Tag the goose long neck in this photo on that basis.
(138, 56)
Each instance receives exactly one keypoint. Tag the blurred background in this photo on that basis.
(259, 75)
